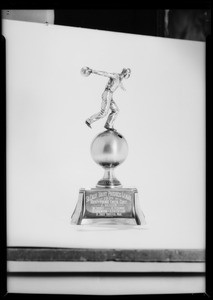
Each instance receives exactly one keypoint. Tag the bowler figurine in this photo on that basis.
(114, 82)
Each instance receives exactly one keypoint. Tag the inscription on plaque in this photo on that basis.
(108, 204)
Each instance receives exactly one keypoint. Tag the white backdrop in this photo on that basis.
(162, 116)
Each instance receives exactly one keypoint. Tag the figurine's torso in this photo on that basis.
(113, 83)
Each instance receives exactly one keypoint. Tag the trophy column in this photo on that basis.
(109, 149)
(108, 203)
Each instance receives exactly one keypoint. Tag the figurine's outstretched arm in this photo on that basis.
(87, 71)
(102, 73)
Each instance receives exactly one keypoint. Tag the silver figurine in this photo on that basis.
(114, 82)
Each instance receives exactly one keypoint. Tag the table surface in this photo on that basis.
(121, 255)
(67, 270)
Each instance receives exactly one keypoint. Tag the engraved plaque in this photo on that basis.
(109, 203)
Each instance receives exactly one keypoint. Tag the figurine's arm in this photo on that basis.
(87, 71)
(102, 73)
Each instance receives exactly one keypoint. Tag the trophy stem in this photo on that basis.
(109, 180)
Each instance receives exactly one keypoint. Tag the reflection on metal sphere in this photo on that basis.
(109, 149)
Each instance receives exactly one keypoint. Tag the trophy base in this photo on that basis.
(108, 206)
(109, 221)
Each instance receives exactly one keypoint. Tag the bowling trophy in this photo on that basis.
(109, 202)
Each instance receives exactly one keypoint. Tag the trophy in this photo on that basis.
(109, 202)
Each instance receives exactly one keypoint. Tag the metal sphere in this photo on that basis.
(109, 149)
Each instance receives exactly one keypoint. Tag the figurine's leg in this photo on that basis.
(105, 105)
(112, 116)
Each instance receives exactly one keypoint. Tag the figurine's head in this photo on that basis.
(126, 73)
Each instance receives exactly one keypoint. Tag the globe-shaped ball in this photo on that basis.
(109, 149)
(85, 71)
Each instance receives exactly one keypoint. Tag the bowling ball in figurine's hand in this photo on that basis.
(85, 71)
